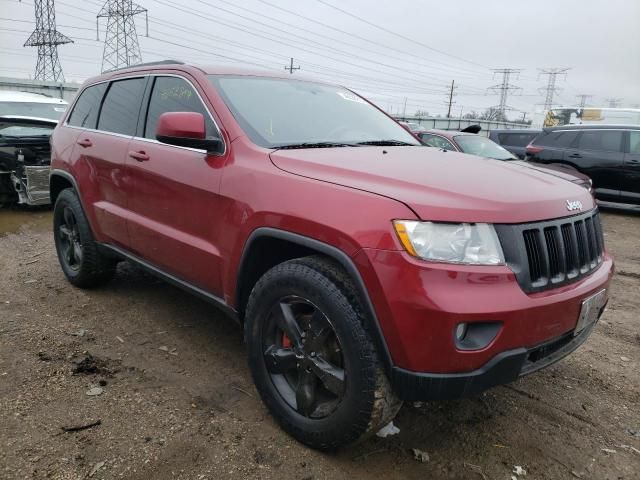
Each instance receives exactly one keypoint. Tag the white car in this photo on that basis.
(33, 105)
(26, 122)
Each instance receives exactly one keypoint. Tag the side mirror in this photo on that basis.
(186, 129)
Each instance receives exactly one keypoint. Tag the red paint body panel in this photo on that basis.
(190, 214)
(181, 124)
(420, 303)
(441, 186)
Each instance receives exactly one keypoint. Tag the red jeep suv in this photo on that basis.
(365, 269)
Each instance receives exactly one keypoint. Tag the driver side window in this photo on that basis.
(173, 94)
(436, 142)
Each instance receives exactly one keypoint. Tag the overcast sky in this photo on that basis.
(388, 51)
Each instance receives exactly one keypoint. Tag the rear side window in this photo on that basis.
(634, 141)
(85, 111)
(558, 139)
(173, 94)
(601, 140)
(516, 139)
(121, 106)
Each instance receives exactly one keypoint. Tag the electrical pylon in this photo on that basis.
(47, 38)
(121, 48)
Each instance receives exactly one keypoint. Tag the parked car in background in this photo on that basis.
(32, 105)
(608, 154)
(514, 140)
(484, 147)
(26, 122)
(25, 156)
(365, 269)
(413, 127)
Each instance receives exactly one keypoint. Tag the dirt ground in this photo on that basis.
(177, 400)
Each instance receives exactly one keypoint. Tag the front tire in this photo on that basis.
(311, 358)
(80, 258)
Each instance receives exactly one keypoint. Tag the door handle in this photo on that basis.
(575, 155)
(140, 156)
(85, 143)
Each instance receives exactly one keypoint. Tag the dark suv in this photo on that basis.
(514, 140)
(608, 154)
(364, 268)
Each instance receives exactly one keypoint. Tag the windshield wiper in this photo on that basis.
(386, 143)
(315, 145)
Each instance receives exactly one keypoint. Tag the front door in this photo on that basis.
(175, 206)
(599, 154)
(630, 190)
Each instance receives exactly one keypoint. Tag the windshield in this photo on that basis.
(280, 112)
(31, 109)
(483, 147)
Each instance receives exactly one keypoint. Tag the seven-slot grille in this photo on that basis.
(548, 254)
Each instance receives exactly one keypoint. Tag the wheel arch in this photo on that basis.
(267, 247)
(58, 181)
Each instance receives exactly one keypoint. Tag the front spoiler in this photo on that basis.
(503, 368)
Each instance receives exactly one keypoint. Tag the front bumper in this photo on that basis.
(419, 304)
(503, 368)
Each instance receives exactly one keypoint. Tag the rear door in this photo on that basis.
(176, 211)
(101, 154)
(599, 154)
(630, 189)
(550, 146)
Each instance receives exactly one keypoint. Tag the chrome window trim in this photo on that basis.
(150, 140)
(114, 134)
(630, 129)
(199, 150)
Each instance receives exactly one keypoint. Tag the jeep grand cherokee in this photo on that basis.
(365, 269)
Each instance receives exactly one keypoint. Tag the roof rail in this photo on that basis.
(148, 64)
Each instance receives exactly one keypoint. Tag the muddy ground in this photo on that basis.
(177, 400)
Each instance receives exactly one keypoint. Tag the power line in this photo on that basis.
(47, 38)
(550, 90)
(376, 53)
(413, 41)
(351, 34)
(504, 88)
(121, 48)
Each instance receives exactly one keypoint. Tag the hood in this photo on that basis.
(559, 170)
(441, 186)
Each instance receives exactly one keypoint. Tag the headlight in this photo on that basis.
(471, 243)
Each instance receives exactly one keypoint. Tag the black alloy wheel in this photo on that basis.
(303, 357)
(80, 257)
(311, 357)
(69, 238)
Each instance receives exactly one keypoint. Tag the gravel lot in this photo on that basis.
(177, 400)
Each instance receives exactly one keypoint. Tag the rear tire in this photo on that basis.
(330, 390)
(78, 253)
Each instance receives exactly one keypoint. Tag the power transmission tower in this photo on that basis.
(450, 103)
(583, 99)
(551, 88)
(47, 38)
(613, 102)
(504, 88)
(291, 68)
(121, 48)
